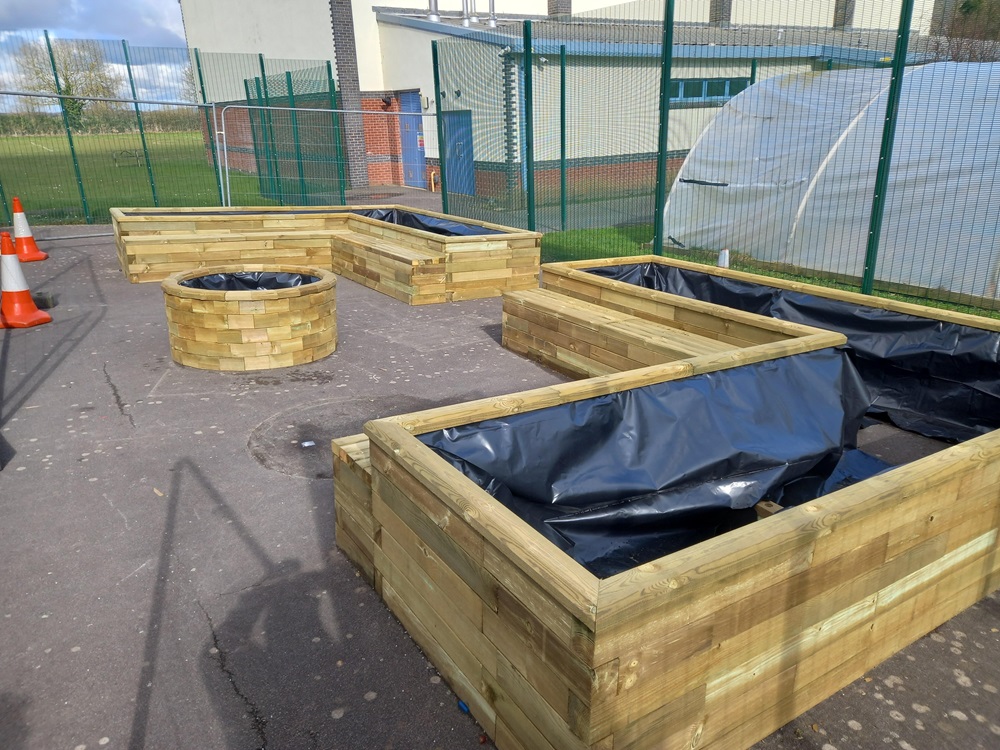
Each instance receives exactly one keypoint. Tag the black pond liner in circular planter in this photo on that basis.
(251, 317)
(248, 281)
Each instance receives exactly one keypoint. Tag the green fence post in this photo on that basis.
(253, 136)
(69, 134)
(666, 60)
(273, 144)
(271, 192)
(753, 71)
(440, 125)
(337, 145)
(885, 152)
(8, 217)
(210, 126)
(295, 138)
(142, 130)
(529, 127)
(562, 136)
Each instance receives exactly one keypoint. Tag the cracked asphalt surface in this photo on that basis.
(170, 574)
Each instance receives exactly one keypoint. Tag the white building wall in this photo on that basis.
(291, 29)
(783, 13)
(685, 11)
(880, 14)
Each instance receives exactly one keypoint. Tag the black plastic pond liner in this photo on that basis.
(927, 376)
(434, 224)
(622, 479)
(248, 281)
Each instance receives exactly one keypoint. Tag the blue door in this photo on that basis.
(411, 135)
(458, 158)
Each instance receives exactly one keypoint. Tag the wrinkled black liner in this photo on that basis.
(623, 479)
(927, 376)
(437, 225)
(411, 219)
(248, 281)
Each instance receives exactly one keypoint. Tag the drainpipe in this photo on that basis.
(492, 23)
(465, 13)
(432, 12)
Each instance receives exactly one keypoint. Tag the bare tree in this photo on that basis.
(972, 34)
(83, 69)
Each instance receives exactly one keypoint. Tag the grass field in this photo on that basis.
(39, 170)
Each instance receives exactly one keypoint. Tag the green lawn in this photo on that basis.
(39, 170)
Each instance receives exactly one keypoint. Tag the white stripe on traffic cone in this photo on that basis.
(17, 309)
(24, 241)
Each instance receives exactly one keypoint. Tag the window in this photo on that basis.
(706, 89)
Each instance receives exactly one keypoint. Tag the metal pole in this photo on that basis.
(223, 199)
(276, 168)
(69, 134)
(8, 217)
(666, 60)
(271, 192)
(753, 71)
(562, 136)
(210, 125)
(529, 127)
(440, 125)
(253, 136)
(142, 130)
(885, 154)
(338, 149)
(295, 138)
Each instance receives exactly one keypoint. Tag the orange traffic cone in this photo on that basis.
(17, 309)
(24, 241)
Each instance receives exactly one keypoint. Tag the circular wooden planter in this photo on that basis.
(257, 329)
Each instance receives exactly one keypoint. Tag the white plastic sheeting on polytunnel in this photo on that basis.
(785, 172)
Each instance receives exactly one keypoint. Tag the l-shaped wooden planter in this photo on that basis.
(413, 265)
(713, 646)
(716, 645)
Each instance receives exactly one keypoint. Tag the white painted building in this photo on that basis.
(720, 46)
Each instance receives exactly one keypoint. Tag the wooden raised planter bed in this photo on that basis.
(584, 339)
(410, 264)
(254, 328)
(931, 371)
(716, 645)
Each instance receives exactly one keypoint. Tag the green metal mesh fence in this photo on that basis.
(851, 143)
(298, 153)
(127, 128)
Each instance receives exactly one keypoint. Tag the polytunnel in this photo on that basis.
(785, 173)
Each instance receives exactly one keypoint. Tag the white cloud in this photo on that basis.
(141, 22)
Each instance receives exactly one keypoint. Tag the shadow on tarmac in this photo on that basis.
(13, 397)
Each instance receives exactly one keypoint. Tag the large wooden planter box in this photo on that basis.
(931, 371)
(412, 265)
(251, 329)
(571, 278)
(713, 646)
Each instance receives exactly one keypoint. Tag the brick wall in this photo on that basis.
(383, 146)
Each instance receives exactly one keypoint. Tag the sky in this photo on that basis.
(153, 23)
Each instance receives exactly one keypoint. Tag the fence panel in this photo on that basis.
(118, 163)
(297, 156)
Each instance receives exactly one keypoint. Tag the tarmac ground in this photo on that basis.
(170, 573)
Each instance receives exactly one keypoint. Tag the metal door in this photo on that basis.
(411, 135)
(459, 164)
